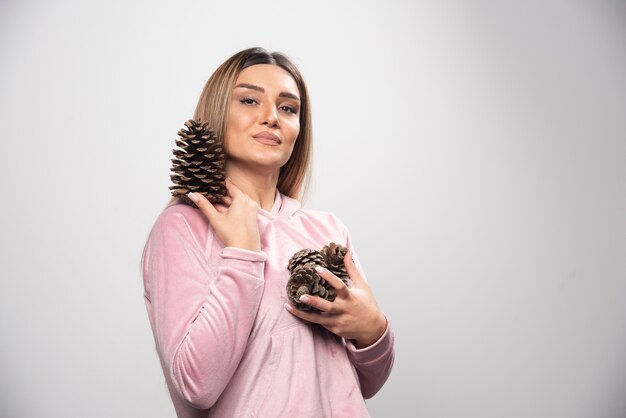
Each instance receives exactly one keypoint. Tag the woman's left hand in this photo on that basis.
(354, 314)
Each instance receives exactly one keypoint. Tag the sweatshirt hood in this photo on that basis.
(284, 207)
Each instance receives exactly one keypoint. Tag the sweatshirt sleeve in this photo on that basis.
(373, 364)
(201, 315)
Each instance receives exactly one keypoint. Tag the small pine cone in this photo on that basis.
(305, 281)
(303, 257)
(199, 164)
(333, 257)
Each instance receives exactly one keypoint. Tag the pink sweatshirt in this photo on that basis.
(223, 337)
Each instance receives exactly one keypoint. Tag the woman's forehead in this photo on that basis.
(267, 76)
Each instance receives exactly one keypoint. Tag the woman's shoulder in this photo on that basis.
(323, 217)
(177, 210)
(181, 216)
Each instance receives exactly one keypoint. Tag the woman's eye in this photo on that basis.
(290, 109)
(247, 100)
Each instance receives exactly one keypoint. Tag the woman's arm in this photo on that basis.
(373, 364)
(355, 316)
(201, 315)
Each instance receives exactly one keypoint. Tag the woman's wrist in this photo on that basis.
(251, 246)
(377, 331)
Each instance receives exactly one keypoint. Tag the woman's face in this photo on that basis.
(265, 99)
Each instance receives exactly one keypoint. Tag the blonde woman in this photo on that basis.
(229, 343)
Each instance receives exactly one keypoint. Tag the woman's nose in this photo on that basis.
(269, 116)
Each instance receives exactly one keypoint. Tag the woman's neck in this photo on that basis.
(260, 187)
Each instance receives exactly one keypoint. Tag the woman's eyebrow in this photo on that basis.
(262, 90)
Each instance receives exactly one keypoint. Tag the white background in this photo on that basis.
(476, 150)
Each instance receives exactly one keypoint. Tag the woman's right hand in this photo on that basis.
(236, 225)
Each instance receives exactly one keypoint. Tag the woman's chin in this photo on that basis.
(265, 166)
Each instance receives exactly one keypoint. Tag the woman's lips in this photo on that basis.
(267, 139)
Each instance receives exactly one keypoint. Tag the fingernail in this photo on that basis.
(319, 269)
(287, 306)
(193, 197)
(304, 298)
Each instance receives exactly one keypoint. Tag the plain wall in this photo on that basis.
(476, 150)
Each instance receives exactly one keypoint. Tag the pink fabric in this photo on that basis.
(223, 337)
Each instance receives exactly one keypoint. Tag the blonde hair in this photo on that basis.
(295, 176)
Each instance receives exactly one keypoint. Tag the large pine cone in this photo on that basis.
(333, 257)
(303, 257)
(305, 281)
(199, 166)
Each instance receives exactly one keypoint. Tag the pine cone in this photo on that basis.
(305, 281)
(303, 257)
(199, 165)
(333, 258)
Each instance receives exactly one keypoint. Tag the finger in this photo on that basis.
(227, 200)
(203, 204)
(351, 268)
(220, 208)
(317, 302)
(316, 318)
(334, 281)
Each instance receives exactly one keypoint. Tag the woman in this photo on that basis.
(215, 278)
